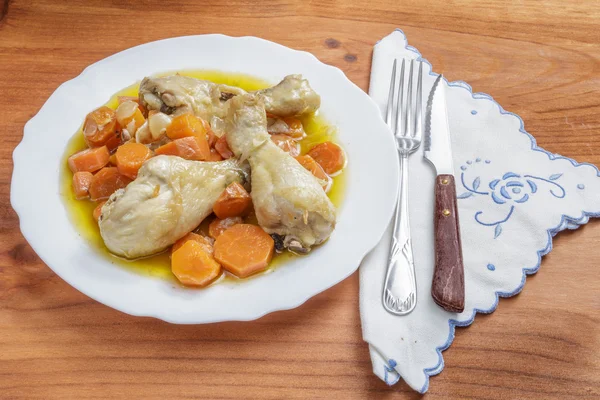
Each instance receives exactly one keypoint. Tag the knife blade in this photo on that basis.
(448, 285)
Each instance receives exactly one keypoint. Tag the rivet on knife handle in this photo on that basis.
(448, 286)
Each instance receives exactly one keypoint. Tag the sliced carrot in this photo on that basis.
(218, 226)
(112, 160)
(244, 249)
(203, 240)
(130, 158)
(214, 156)
(223, 148)
(89, 160)
(211, 138)
(290, 126)
(329, 155)
(129, 116)
(296, 129)
(100, 128)
(287, 144)
(98, 210)
(107, 181)
(192, 265)
(81, 184)
(310, 164)
(190, 148)
(185, 125)
(233, 202)
(114, 142)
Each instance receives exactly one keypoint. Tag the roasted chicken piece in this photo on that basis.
(288, 200)
(292, 96)
(169, 198)
(177, 94)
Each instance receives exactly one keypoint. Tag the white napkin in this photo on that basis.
(513, 197)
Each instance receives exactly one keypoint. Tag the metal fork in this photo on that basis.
(400, 288)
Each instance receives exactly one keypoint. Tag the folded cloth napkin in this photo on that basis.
(513, 198)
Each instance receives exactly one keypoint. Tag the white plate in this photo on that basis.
(372, 180)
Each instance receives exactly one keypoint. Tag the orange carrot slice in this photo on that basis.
(296, 129)
(233, 202)
(223, 148)
(214, 156)
(81, 184)
(100, 128)
(287, 144)
(203, 240)
(291, 126)
(89, 160)
(190, 148)
(244, 249)
(186, 125)
(218, 226)
(211, 138)
(329, 155)
(107, 181)
(130, 158)
(192, 265)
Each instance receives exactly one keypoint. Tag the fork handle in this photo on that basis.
(448, 286)
(399, 295)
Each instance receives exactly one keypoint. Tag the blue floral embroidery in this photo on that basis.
(491, 267)
(511, 189)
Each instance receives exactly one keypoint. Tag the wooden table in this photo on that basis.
(539, 60)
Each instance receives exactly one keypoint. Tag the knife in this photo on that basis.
(448, 286)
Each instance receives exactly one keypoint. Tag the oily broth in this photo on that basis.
(80, 211)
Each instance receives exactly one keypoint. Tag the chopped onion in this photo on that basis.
(131, 126)
(90, 128)
(143, 134)
(125, 111)
(125, 135)
(158, 124)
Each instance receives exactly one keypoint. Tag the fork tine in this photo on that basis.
(419, 106)
(408, 112)
(400, 103)
(390, 105)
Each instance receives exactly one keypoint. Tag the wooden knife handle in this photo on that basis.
(448, 286)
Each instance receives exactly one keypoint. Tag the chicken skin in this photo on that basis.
(289, 201)
(177, 94)
(169, 198)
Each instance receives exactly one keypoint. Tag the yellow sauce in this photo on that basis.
(80, 211)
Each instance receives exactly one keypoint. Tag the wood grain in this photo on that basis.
(540, 60)
(448, 283)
